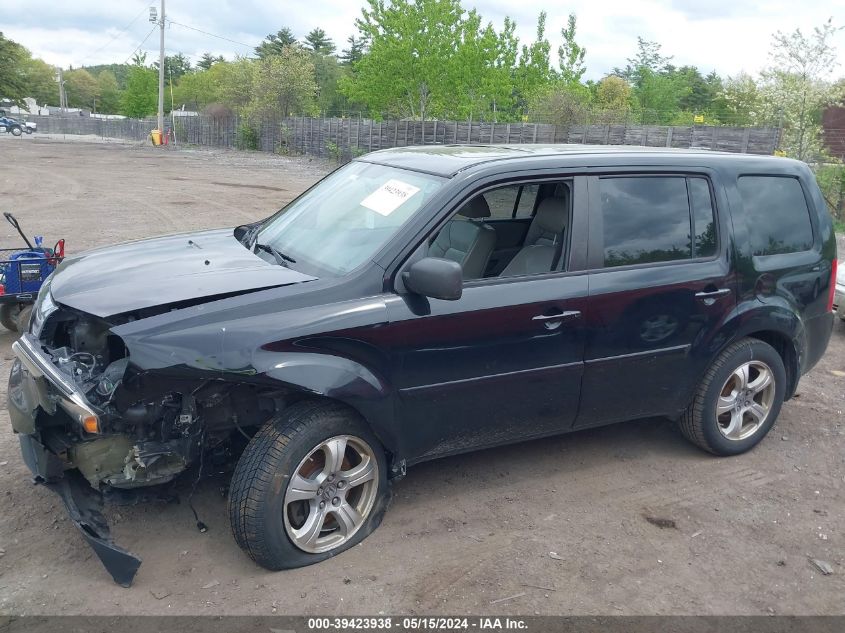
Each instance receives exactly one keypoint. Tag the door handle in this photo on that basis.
(560, 316)
(713, 294)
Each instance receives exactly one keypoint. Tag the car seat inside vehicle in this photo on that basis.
(544, 242)
(466, 239)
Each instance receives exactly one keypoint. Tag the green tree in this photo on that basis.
(658, 95)
(739, 102)
(40, 81)
(798, 86)
(318, 42)
(140, 98)
(411, 56)
(570, 54)
(612, 100)
(648, 58)
(357, 47)
(480, 70)
(208, 60)
(282, 84)
(12, 77)
(560, 103)
(534, 72)
(198, 90)
(275, 43)
(175, 66)
(109, 93)
(81, 89)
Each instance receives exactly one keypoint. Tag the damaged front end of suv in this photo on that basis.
(98, 411)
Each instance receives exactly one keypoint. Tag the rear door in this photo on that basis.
(660, 288)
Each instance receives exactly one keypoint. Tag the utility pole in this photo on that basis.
(60, 80)
(161, 74)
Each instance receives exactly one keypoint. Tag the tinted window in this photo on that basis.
(645, 220)
(503, 200)
(777, 215)
(704, 222)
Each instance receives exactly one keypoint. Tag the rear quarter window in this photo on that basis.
(777, 214)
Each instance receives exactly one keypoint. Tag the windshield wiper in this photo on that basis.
(280, 257)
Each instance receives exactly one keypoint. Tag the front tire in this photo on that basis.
(16, 131)
(739, 399)
(9, 313)
(310, 484)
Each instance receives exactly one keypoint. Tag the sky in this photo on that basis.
(728, 36)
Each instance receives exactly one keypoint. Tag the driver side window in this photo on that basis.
(487, 245)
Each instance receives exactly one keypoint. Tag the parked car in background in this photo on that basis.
(417, 303)
(839, 300)
(12, 126)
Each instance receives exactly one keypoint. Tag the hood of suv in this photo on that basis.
(164, 270)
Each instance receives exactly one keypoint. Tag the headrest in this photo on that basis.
(475, 208)
(551, 215)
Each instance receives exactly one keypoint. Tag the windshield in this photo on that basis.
(346, 218)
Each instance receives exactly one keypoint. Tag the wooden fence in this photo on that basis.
(344, 139)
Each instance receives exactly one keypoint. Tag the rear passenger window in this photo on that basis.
(777, 214)
(646, 220)
(515, 201)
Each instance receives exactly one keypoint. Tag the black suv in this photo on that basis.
(422, 302)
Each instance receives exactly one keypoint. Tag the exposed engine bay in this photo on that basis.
(152, 426)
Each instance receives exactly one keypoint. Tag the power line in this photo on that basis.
(137, 48)
(219, 37)
(121, 32)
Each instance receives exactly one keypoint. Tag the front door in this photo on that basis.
(660, 288)
(502, 363)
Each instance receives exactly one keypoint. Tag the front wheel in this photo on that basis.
(9, 313)
(738, 400)
(310, 484)
(16, 131)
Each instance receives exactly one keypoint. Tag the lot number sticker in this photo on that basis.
(389, 197)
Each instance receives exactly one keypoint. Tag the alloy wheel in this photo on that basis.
(331, 494)
(745, 400)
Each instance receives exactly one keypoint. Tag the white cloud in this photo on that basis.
(728, 36)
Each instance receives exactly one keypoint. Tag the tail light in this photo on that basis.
(832, 291)
(2, 289)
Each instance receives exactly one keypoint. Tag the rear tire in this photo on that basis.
(298, 496)
(16, 131)
(9, 315)
(738, 401)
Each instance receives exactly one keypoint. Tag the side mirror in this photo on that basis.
(436, 278)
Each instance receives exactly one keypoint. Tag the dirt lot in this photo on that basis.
(463, 533)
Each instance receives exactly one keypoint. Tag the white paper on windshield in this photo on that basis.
(389, 197)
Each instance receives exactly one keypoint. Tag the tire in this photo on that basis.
(29, 130)
(741, 425)
(22, 320)
(267, 513)
(9, 315)
(16, 131)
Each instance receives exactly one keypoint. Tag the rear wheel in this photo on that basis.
(9, 315)
(738, 400)
(16, 131)
(310, 484)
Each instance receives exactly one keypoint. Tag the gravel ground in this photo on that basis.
(555, 526)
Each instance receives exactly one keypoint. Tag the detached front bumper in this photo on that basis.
(36, 388)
